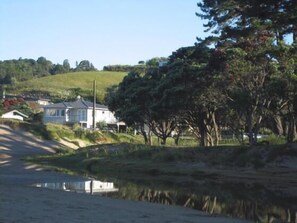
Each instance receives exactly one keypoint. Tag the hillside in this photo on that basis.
(64, 86)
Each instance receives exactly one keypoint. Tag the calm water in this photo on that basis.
(252, 202)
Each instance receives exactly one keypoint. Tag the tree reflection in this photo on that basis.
(239, 208)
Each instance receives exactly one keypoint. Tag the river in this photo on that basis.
(246, 201)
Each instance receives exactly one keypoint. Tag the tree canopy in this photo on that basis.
(13, 71)
(242, 78)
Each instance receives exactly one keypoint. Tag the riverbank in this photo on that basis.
(20, 202)
(254, 183)
(258, 164)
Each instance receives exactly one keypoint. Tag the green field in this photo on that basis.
(65, 86)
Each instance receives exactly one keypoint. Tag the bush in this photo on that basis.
(274, 139)
(94, 136)
(78, 131)
(60, 131)
(101, 125)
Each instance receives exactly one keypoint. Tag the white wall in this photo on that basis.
(71, 115)
(10, 115)
(105, 115)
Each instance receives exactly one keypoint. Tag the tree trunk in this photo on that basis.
(210, 141)
(216, 130)
(291, 129)
(176, 138)
(146, 137)
(295, 35)
(202, 130)
(146, 141)
(279, 125)
(249, 120)
(149, 137)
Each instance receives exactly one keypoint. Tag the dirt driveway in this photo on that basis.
(20, 202)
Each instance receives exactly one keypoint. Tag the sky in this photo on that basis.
(105, 32)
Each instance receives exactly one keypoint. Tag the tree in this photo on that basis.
(85, 65)
(1, 108)
(283, 89)
(240, 18)
(66, 65)
(16, 103)
(58, 69)
(154, 62)
(43, 67)
(162, 117)
(138, 101)
(130, 101)
(247, 32)
(194, 90)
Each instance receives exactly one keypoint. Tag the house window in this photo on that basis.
(82, 115)
(51, 112)
(55, 112)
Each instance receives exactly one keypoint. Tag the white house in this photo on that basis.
(89, 186)
(14, 114)
(79, 111)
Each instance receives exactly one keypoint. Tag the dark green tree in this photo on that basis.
(247, 35)
(193, 91)
(283, 90)
(130, 101)
(85, 65)
(66, 65)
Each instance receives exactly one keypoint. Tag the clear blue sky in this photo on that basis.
(105, 32)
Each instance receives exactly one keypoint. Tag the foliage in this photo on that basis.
(140, 68)
(137, 101)
(125, 68)
(14, 71)
(85, 65)
(101, 125)
(16, 104)
(251, 56)
(241, 79)
(1, 108)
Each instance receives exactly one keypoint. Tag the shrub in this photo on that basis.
(101, 125)
(78, 131)
(274, 139)
(94, 136)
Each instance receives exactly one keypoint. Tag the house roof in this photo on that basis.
(76, 104)
(16, 112)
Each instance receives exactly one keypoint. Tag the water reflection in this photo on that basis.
(252, 203)
(256, 203)
(89, 186)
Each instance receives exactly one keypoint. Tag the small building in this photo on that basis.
(78, 111)
(36, 104)
(14, 114)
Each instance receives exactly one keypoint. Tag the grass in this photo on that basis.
(63, 85)
(137, 160)
(126, 156)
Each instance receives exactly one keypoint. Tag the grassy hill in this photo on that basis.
(69, 85)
